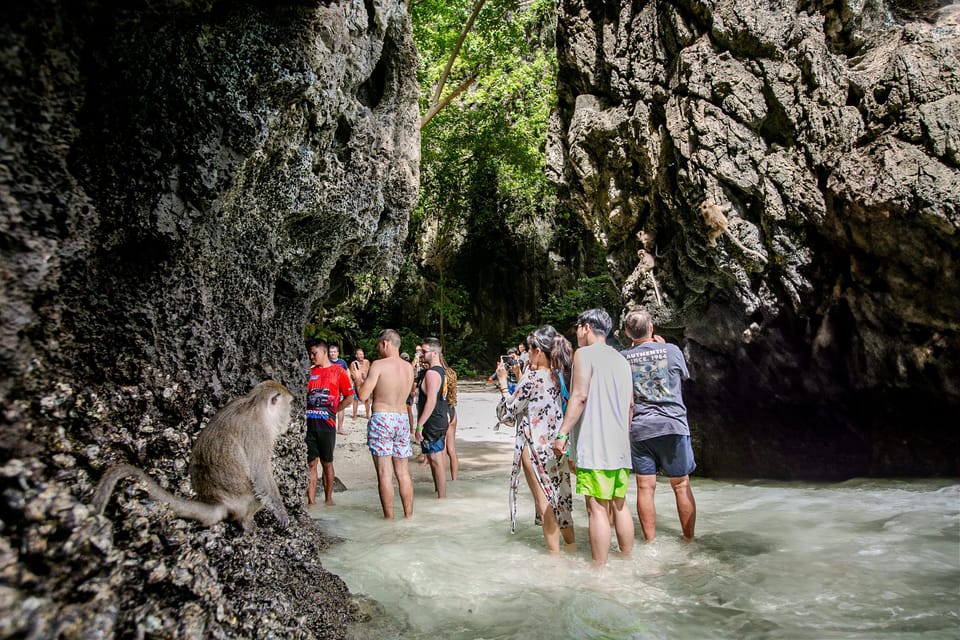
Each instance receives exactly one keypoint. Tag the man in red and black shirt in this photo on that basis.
(328, 382)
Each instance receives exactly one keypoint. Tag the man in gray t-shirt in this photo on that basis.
(659, 433)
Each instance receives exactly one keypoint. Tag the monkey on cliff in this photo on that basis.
(713, 215)
(646, 265)
(230, 468)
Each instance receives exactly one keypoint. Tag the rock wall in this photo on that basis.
(823, 332)
(182, 184)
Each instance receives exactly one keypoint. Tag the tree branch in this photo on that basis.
(456, 52)
(453, 94)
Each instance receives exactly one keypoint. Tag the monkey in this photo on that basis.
(648, 239)
(230, 467)
(646, 265)
(713, 215)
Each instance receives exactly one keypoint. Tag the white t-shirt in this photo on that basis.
(602, 433)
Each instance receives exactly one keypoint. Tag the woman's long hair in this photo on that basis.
(557, 348)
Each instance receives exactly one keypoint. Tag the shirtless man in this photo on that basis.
(359, 369)
(388, 430)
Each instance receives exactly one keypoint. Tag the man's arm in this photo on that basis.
(346, 385)
(431, 386)
(579, 387)
(369, 383)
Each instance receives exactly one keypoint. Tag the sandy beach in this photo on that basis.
(479, 446)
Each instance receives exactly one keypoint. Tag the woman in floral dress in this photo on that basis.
(536, 408)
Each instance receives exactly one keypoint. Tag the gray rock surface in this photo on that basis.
(182, 185)
(830, 130)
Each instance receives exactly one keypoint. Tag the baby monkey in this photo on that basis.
(230, 468)
(713, 215)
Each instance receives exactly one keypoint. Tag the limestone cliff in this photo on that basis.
(182, 184)
(823, 332)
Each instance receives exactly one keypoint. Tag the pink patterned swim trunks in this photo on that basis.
(388, 434)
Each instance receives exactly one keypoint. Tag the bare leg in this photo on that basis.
(340, 414)
(355, 403)
(623, 522)
(686, 505)
(598, 526)
(312, 483)
(384, 484)
(548, 519)
(527, 467)
(551, 529)
(439, 473)
(452, 448)
(646, 509)
(367, 406)
(402, 470)
(327, 468)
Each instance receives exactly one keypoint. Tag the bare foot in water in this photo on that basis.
(330, 503)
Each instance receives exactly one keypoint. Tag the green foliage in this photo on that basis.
(482, 172)
(497, 130)
(450, 302)
(464, 353)
(342, 324)
(317, 331)
(519, 335)
(562, 311)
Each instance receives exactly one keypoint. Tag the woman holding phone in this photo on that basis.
(535, 406)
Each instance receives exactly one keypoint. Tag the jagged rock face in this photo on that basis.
(182, 184)
(822, 331)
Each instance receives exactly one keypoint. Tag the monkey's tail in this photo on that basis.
(743, 248)
(656, 289)
(205, 513)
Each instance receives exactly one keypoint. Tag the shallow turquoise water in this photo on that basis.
(860, 559)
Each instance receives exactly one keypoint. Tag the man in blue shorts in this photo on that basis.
(598, 412)
(432, 416)
(659, 433)
(388, 430)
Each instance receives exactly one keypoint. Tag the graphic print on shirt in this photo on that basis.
(318, 404)
(650, 370)
(324, 389)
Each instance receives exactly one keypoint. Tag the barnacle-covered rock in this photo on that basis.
(179, 181)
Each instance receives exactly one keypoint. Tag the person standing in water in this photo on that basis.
(536, 408)
(451, 443)
(359, 369)
(333, 353)
(327, 384)
(433, 420)
(388, 430)
(599, 408)
(659, 433)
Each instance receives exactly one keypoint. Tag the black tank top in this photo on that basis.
(436, 425)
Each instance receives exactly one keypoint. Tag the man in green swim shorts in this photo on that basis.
(599, 412)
